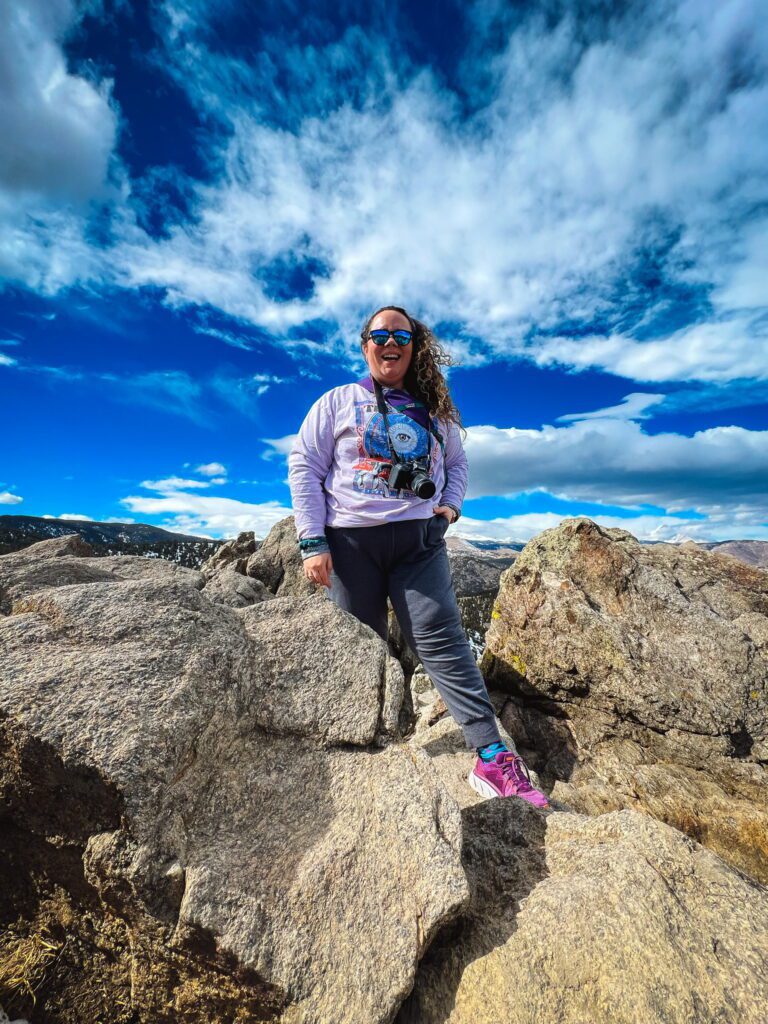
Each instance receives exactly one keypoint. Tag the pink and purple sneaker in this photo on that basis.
(505, 775)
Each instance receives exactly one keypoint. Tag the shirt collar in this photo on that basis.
(367, 383)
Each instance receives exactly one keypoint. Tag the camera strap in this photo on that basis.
(382, 406)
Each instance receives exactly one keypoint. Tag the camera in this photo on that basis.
(412, 476)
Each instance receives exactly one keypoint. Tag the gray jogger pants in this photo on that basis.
(407, 562)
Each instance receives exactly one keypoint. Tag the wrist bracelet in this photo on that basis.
(311, 542)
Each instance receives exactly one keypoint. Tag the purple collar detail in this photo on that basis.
(391, 393)
(397, 397)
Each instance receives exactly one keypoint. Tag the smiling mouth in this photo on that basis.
(391, 358)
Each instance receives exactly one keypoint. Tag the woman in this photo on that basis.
(377, 473)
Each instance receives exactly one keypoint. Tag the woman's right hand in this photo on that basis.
(318, 569)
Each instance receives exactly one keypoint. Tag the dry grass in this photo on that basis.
(24, 960)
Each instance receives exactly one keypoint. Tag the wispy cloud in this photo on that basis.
(204, 515)
(228, 337)
(169, 391)
(174, 483)
(595, 202)
(172, 391)
(637, 406)
(278, 447)
(212, 469)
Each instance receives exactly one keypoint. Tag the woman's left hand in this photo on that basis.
(444, 510)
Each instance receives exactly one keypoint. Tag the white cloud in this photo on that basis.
(744, 283)
(211, 469)
(590, 144)
(57, 130)
(716, 351)
(521, 528)
(204, 515)
(7, 360)
(279, 447)
(577, 159)
(76, 516)
(57, 133)
(614, 461)
(174, 483)
(7, 498)
(632, 407)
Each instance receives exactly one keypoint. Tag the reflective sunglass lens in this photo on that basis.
(381, 337)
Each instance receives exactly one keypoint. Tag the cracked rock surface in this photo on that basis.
(616, 919)
(639, 678)
(207, 815)
(218, 782)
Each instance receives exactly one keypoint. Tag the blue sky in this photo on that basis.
(201, 202)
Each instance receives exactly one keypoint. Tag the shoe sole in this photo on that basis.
(481, 787)
(487, 791)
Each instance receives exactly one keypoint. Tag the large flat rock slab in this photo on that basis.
(226, 780)
(612, 920)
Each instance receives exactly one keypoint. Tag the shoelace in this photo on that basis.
(514, 767)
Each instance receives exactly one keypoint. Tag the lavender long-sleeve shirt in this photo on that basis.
(339, 464)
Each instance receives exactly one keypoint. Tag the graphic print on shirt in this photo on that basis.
(409, 439)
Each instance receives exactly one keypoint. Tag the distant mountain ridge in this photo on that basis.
(17, 532)
(753, 552)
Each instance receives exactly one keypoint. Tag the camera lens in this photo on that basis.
(422, 486)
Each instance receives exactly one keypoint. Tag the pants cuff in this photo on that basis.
(481, 733)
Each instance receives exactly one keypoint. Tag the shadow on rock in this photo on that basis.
(503, 856)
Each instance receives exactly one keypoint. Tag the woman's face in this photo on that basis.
(388, 363)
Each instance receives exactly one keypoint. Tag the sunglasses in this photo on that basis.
(381, 337)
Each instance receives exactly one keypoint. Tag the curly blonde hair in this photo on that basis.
(423, 378)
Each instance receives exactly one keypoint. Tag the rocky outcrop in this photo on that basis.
(225, 578)
(207, 814)
(274, 562)
(233, 553)
(573, 919)
(226, 585)
(640, 675)
(204, 792)
(65, 561)
(616, 918)
(277, 562)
